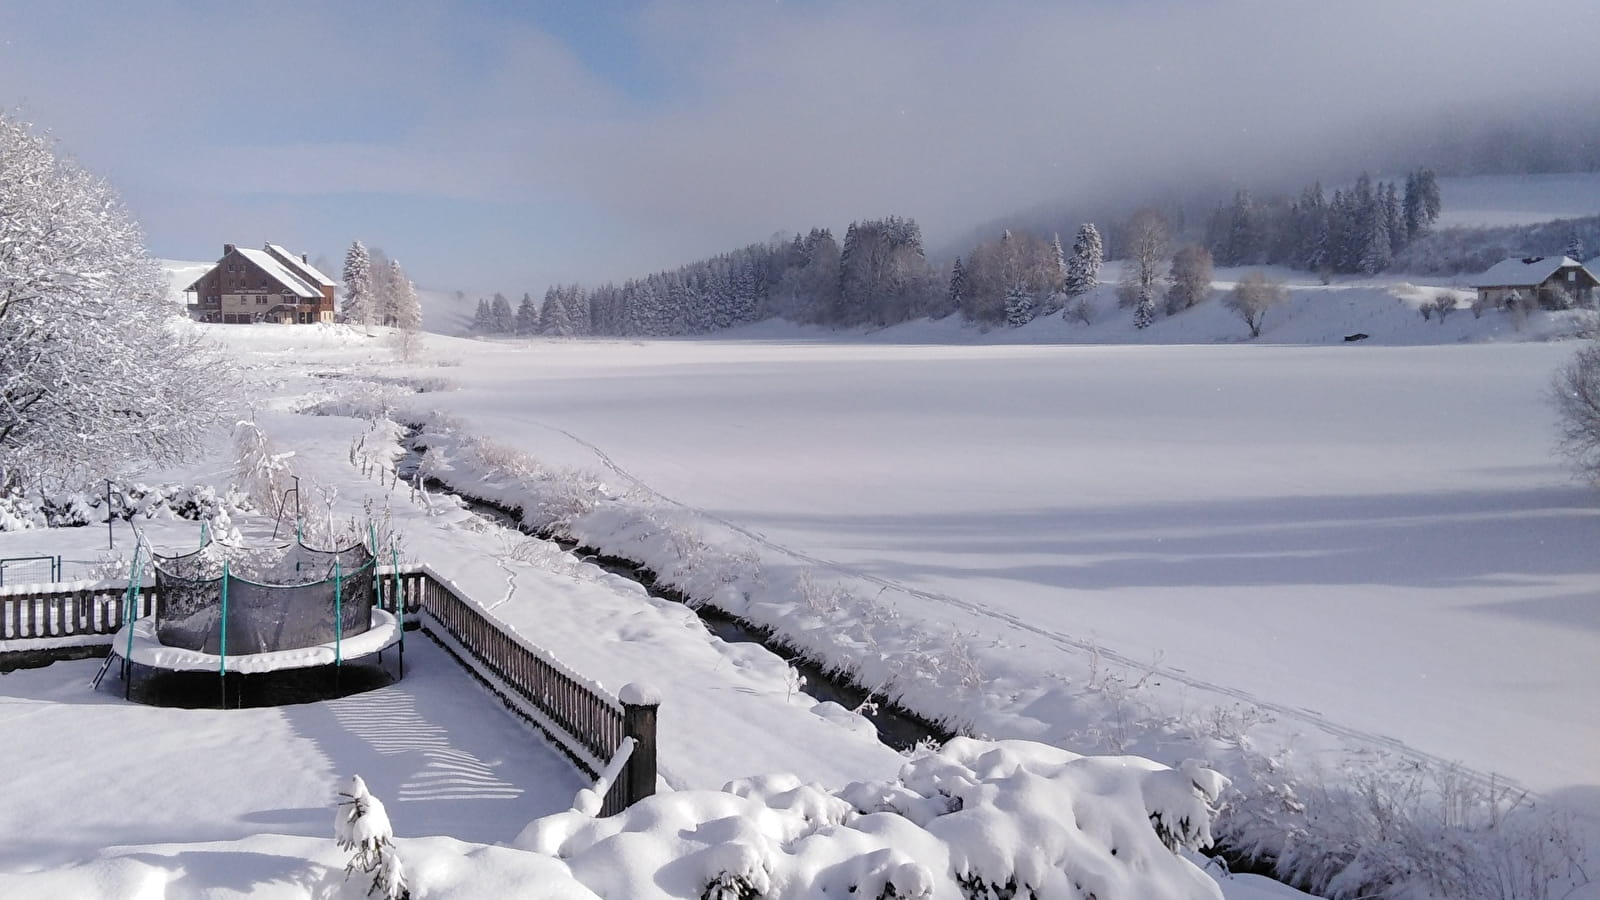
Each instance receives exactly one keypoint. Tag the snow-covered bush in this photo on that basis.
(361, 825)
(129, 502)
(973, 819)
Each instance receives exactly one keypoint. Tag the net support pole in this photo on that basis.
(129, 605)
(399, 604)
(338, 613)
(222, 656)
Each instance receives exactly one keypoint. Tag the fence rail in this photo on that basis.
(70, 610)
(589, 725)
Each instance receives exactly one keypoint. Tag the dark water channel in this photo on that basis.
(897, 727)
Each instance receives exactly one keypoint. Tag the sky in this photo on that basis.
(503, 145)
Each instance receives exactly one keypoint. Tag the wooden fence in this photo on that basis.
(58, 611)
(585, 722)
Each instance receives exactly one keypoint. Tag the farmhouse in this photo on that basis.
(1555, 282)
(270, 285)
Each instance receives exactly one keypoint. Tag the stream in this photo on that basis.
(896, 727)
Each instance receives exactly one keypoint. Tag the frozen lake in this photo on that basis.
(1373, 537)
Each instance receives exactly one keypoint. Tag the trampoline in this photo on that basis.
(256, 610)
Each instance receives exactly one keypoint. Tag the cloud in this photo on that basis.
(687, 128)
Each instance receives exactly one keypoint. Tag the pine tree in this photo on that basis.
(553, 315)
(1394, 218)
(483, 321)
(501, 319)
(1060, 263)
(527, 315)
(1144, 312)
(1083, 270)
(958, 284)
(359, 301)
(1574, 249)
(1019, 307)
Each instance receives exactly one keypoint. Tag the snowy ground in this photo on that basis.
(1362, 549)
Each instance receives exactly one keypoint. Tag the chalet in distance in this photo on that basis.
(270, 285)
(1537, 279)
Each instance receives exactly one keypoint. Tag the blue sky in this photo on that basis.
(500, 145)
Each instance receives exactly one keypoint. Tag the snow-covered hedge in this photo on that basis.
(128, 502)
(975, 819)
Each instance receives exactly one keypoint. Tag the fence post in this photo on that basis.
(639, 705)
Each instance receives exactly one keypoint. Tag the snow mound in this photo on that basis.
(973, 819)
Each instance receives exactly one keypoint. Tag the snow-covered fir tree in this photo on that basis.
(1019, 307)
(359, 301)
(1083, 269)
(958, 284)
(361, 825)
(501, 319)
(1060, 256)
(483, 319)
(1144, 310)
(527, 315)
(93, 378)
(553, 314)
(1574, 249)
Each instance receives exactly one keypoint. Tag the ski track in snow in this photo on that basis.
(1299, 714)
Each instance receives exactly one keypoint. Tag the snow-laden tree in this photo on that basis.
(553, 314)
(1252, 297)
(483, 319)
(1191, 278)
(405, 313)
(1142, 271)
(501, 319)
(97, 370)
(1574, 248)
(527, 315)
(1019, 307)
(360, 301)
(1083, 269)
(361, 825)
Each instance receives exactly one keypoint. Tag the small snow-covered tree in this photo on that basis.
(97, 369)
(1019, 307)
(1574, 249)
(483, 319)
(1252, 297)
(359, 297)
(362, 826)
(1083, 269)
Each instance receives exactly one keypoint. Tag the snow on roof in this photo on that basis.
(278, 270)
(1523, 271)
(307, 271)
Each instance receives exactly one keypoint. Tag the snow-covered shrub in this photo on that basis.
(129, 502)
(1404, 831)
(975, 819)
(361, 825)
(261, 470)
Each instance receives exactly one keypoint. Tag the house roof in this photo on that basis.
(307, 272)
(1523, 271)
(278, 271)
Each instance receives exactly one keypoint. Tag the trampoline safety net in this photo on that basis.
(278, 598)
